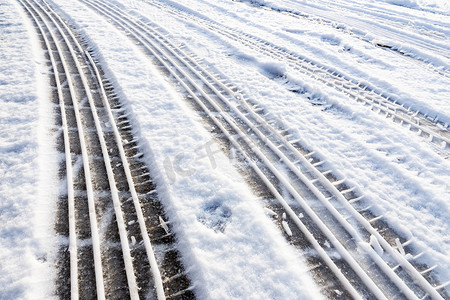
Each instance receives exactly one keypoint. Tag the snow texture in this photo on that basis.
(228, 241)
(25, 152)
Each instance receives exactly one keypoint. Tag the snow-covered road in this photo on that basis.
(260, 149)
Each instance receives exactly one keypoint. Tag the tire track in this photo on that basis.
(362, 35)
(109, 218)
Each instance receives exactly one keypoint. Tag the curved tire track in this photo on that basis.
(109, 212)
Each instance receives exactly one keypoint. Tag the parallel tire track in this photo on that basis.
(109, 217)
(361, 35)
(431, 128)
(323, 209)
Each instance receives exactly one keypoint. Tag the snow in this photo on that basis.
(400, 247)
(432, 5)
(228, 240)
(375, 245)
(25, 152)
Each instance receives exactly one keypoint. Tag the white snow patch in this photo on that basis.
(27, 162)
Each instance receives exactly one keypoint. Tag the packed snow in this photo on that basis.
(228, 241)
